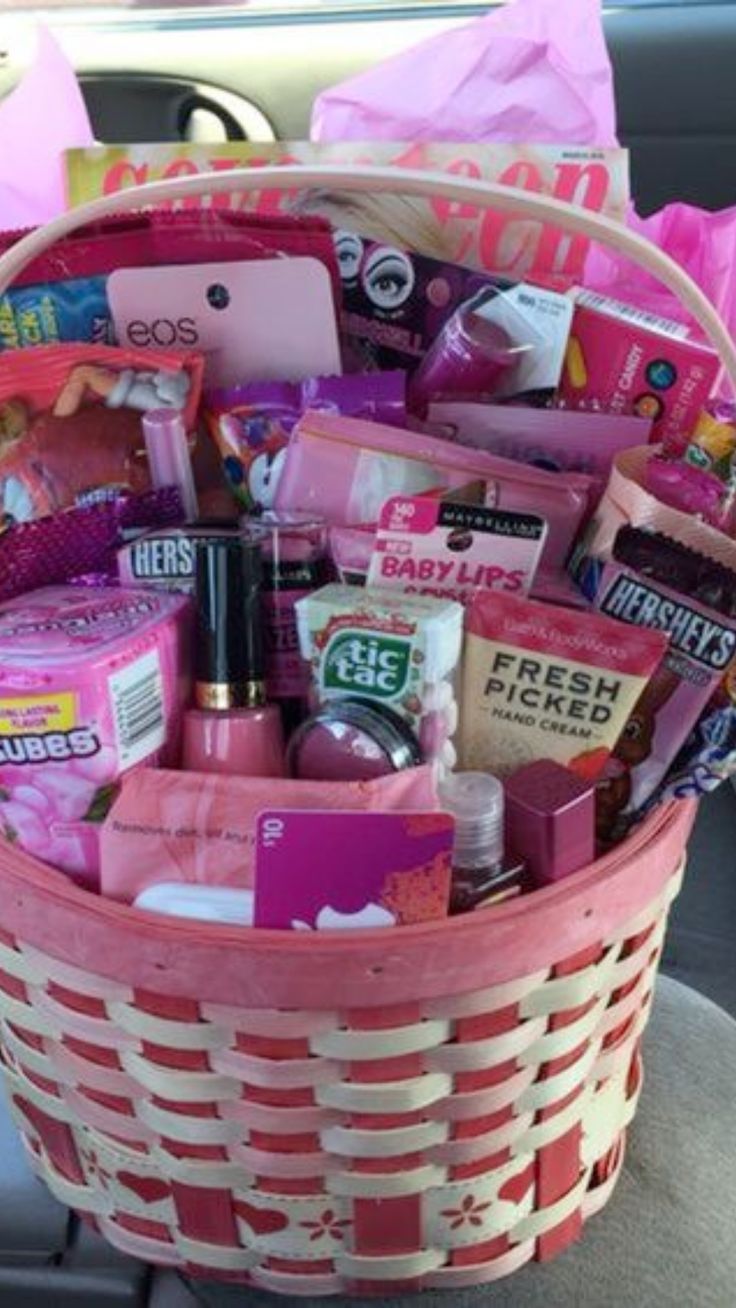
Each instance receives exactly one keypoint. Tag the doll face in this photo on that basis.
(13, 423)
(349, 251)
(263, 476)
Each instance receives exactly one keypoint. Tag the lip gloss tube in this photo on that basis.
(167, 448)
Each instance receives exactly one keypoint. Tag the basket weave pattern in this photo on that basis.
(435, 1145)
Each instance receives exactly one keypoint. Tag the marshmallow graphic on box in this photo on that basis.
(330, 919)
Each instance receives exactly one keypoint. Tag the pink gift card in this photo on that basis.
(439, 547)
(248, 319)
(322, 870)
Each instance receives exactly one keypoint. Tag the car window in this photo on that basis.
(290, 9)
(283, 8)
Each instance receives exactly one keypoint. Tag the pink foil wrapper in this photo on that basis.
(80, 544)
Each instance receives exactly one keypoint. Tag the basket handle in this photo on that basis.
(396, 181)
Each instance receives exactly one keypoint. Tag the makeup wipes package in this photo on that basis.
(200, 828)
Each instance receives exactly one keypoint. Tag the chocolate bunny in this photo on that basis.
(634, 746)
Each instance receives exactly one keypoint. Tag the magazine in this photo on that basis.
(503, 244)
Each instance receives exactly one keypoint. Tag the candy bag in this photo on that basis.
(251, 425)
(708, 756)
(70, 421)
(658, 584)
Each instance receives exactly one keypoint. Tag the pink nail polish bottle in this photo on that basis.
(231, 728)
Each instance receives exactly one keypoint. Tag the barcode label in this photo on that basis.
(629, 313)
(138, 709)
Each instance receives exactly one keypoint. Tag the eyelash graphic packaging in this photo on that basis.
(397, 304)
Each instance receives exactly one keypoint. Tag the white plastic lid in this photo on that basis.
(475, 800)
(204, 903)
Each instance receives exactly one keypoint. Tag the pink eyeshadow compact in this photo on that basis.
(352, 740)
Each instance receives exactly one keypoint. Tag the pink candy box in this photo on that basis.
(91, 683)
(625, 361)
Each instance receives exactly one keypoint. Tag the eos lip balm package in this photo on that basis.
(91, 685)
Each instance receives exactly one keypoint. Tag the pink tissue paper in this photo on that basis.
(532, 71)
(44, 115)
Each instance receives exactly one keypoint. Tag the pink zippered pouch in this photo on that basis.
(554, 439)
(346, 469)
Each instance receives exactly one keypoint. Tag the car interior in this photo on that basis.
(250, 71)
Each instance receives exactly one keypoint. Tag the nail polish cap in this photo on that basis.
(228, 638)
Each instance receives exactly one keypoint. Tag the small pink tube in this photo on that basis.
(168, 456)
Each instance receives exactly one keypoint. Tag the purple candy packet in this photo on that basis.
(251, 425)
(79, 545)
(708, 756)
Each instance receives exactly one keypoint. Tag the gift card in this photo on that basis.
(427, 546)
(335, 870)
(267, 319)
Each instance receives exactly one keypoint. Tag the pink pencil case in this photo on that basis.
(346, 469)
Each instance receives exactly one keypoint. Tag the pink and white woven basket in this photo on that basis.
(363, 1112)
